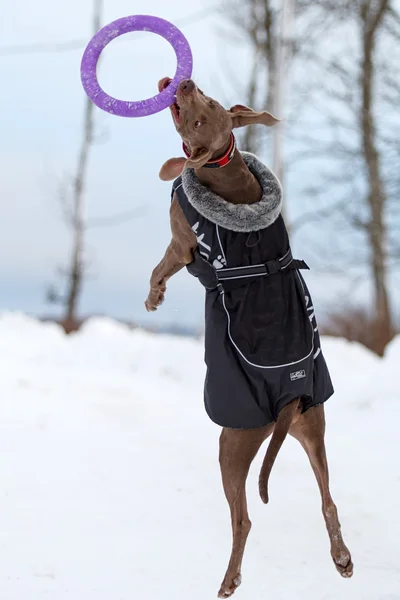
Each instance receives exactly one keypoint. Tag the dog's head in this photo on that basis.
(204, 126)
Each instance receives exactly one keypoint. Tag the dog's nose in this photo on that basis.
(186, 86)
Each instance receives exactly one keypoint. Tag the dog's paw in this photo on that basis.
(149, 306)
(229, 586)
(154, 300)
(344, 564)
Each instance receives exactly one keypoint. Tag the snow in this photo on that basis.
(110, 485)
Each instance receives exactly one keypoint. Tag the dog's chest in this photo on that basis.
(223, 247)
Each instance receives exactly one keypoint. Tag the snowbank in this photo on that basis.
(110, 485)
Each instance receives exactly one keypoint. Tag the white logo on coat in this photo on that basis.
(205, 249)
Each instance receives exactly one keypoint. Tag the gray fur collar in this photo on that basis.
(237, 217)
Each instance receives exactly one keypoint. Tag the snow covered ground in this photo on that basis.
(110, 487)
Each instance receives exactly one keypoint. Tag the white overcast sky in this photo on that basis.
(41, 114)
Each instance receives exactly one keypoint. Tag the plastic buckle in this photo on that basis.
(270, 267)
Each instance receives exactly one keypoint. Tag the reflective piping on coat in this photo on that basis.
(286, 266)
(311, 317)
(244, 276)
(237, 268)
(226, 269)
(222, 294)
(285, 255)
(254, 364)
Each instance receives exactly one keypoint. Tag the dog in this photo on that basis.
(265, 370)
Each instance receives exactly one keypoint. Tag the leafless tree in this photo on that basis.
(74, 209)
(345, 86)
(357, 99)
(371, 16)
(255, 22)
(260, 25)
(72, 199)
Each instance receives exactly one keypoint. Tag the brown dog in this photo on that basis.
(205, 128)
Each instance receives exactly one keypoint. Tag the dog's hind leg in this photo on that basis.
(238, 447)
(309, 430)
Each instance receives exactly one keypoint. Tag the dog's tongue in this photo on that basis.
(164, 83)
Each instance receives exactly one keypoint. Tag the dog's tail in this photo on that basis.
(281, 429)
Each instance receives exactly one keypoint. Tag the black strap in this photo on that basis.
(265, 269)
(237, 277)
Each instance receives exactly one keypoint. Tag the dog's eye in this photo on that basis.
(211, 103)
(198, 124)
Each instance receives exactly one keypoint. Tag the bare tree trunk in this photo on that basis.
(262, 30)
(270, 51)
(259, 28)
(280, 83)
(251, 142)
(377, 197)
(280, 72)
(270, 55)
(76, 270)
(357, 97)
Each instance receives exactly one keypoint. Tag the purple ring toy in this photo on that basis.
(142, 108)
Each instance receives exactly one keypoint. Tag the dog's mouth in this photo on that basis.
(175, 108)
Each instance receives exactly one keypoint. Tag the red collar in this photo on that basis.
(218, 162)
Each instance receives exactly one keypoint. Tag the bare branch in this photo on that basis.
(78, 44)
(371, 19)
(318, 214)
(117, 219)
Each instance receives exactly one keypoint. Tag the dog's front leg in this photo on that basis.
(169, 265)
(178, 254)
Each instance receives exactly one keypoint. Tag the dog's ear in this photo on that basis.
(243, 115)
(175, 166)
(172, 169)
(198, 158)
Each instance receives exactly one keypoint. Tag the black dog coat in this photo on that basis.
(262, 347)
